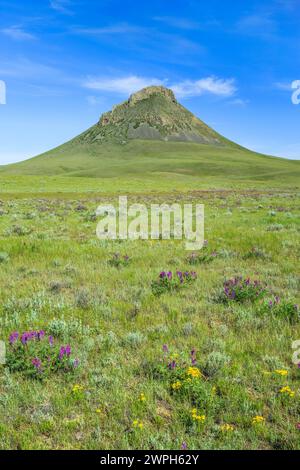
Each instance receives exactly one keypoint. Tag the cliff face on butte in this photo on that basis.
(152, 113)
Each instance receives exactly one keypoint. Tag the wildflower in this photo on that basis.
(258, 420)
(40, 334)
(227, 427)
(142, 397)
(99, 411)
(62, 352)
(51, 340)
(184, 445)
(176, 385)
(282, 372)
(165, 348)
(197, 417)
(194, 372)
(137, 424)
(13, 337)
(37, 363)
(193, 357)
(77, 388)
(287, 391)
(172, 364)
(75, 363)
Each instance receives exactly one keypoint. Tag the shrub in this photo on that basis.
(168, 281)
(241, 290)
(82, 299)
(204, 257)
(119, 261)
(4, 257)
(256, 253)
(286, 309)
(37, 355)
(215, 362)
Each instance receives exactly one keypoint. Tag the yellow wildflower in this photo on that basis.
(258, 420)
(194, 372)
(282, 372)
(197, 417)
(287, 390)
(137, 424)
(142, 397)
(227, 427)
(77, 388)
(176, 385)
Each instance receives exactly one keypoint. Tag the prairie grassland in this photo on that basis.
(133, 387)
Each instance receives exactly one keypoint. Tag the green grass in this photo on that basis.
(143, 166)
(57, 275)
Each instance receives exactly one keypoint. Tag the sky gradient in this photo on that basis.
(232, 63)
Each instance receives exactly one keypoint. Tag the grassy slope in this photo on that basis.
(153, 165)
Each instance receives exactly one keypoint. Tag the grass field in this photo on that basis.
(132, 387)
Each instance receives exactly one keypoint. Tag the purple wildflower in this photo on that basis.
(184, 445)
(172, 365)
(193, 357)
(165, 348)
(62, 352)
(162, 275)
(51, 340)
(169, 275)
(13, 337)
(40, 334)
(68, 350)
(37, 363)
(76, 363)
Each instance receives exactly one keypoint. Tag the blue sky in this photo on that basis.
(64, 62)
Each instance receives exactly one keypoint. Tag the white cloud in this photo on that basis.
(185, 89)
(121, 28)
(124, 85)
(17, 33)
(180, 23)
(212, 85)
(22, 67)
(61, 6)
(259, 25)
(239, 102)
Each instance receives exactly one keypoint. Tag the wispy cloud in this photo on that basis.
(120, 28)
(212, 85)
(179, 23)
(258, 24)
(24, 68)
(17, 33)
(124, 85)
(62, 6)
(239, 102)
(187, 88)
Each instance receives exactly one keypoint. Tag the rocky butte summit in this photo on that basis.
(152, 113)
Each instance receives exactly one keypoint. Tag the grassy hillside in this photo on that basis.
(157, 165)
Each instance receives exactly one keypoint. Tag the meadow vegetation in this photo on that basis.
(108, 350)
